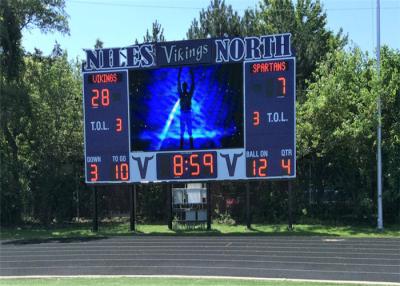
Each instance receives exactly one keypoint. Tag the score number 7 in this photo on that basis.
(282, 80)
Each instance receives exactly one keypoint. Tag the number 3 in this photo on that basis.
(256, 118)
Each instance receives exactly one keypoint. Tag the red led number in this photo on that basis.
(105, 97)
(118, 124)
(195, 162)
(195, 165)
(256, 118)
(178, 165)
(208, 160)
(282, 80)
(94, 174)
(95, 98)
(122, 171)
(286, 165)
(103, 94)
(260, 170)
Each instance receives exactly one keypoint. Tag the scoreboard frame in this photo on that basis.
(294, 117)
(86, 73)
(84, 120)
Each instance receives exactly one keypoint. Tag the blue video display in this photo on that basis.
(187, 108)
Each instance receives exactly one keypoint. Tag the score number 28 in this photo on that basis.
(100, 97)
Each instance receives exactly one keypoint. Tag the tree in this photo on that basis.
(388, 88)
(13, 104)
(337, 132)
(53, 154)
(218, 20)
(157, 34)
(311, 39)
(99, 44)
(249, 22)
(47, 15)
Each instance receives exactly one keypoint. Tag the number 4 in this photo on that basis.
(286, 165)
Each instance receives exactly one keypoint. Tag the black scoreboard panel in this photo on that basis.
(106, 126)
(270, 118)
(191, 122)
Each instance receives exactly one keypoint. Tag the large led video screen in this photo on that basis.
(187, 108)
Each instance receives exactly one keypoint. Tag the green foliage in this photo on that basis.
(337, 132)
(10, 42)
(224, 218)
(311, 39)
(218, 20)
(389, 90)
(99, 44)
(41, 121)
(47, 15)
(53, 155)
(16, 106)
(151, 205)
(157, 34)
(336, 125)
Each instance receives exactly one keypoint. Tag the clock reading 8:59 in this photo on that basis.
(199, 165)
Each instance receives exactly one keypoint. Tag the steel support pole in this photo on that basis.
(132, 207)
(290, 201)
(208, 206)
(379, 152)
(95, 221)
(248, 217)
(168, 189)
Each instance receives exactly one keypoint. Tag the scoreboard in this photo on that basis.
(213, 109)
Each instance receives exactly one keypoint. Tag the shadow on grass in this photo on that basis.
(275, 231)
(52, 240)
(82, 232)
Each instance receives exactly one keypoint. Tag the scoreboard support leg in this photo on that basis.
(132, 207)
(290, 199)
(248, 217)
(95, 220)
(168, 189)
(208, 206)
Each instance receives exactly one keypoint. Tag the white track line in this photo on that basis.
(203, 267)
(200, 277)
(155, 249)
(190, 245)
(186, 242)
(222, 241)
(200, 260)
(140, 253)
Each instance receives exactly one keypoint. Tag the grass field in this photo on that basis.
(122, 229)
(155, 282)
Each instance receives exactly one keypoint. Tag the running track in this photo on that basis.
(324, 258)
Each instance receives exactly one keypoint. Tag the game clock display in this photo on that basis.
(215, 119)
(192, 165)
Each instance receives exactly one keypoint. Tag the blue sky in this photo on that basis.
(120, 22)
